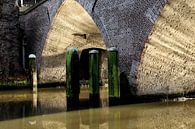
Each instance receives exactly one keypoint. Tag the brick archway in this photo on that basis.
(123, 24)
(168, 63)
(72, 26)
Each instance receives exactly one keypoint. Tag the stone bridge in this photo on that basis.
(155, 39)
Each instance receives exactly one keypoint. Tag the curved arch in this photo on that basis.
(124, 24)
(71, 27)
(168, 61)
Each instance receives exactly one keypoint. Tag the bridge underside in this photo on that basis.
(71, 27)
(153, 61)
(168, 60)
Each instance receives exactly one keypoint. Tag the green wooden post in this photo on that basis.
(72, 79)
(113, 76)
(94, 94)
(33, 78)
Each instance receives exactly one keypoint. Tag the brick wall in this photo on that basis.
(9, 40)
(36, 25)
(167, 63)
(124, 24)
(162, 63)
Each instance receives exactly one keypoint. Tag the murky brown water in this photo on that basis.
(16, 113)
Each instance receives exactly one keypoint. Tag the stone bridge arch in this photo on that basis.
(72, 26)
(124, 24)
(168, 61)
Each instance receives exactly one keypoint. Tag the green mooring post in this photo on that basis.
(94, 94)
(72, 79)
(113, 77)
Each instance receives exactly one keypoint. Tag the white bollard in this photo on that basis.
(33, 75)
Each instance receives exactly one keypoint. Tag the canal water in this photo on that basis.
(17, 111)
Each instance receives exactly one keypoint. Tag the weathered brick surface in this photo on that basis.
(36, 25)
(9, 44)
(124, 24)
(164, 63)
(168, 63)
(71, 27)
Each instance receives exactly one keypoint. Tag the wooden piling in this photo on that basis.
(33, 78)
(113, 77)
(72, 79)
(33, 71)
(94, 94)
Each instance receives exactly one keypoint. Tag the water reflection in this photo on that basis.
(138, 116)
(72, 120)
(35, 99)
(169, 115)
(114, 120)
